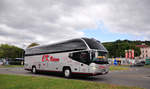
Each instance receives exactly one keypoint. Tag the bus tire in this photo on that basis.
(34, 71)
(67, 72)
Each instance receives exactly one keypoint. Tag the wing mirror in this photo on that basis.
(70, 55)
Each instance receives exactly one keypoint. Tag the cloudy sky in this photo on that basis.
(46, 21)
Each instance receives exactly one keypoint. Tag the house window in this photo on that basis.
(146, 55)
(146, 51)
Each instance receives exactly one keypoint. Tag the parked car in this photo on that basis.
(138, 64)
(1, 62)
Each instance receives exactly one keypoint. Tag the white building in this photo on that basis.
(145, 51)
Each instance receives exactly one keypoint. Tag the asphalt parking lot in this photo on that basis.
(137, 76)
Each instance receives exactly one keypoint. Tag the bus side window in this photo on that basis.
(83, 57)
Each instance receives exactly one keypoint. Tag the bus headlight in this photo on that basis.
(93, 67)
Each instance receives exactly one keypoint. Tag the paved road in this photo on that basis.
(139, 77)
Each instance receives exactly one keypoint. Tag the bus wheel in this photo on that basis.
(67, 73)
(34, 71)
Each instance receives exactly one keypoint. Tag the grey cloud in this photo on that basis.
(49, 21)
(129, 16)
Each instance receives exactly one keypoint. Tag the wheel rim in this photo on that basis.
(34, 70)
(67, 73)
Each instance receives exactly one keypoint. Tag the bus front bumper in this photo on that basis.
(90, 74)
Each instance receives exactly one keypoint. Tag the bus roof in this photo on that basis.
(69, 45)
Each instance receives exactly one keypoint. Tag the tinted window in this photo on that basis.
(76, 44)
(94, 44)
(83, 56)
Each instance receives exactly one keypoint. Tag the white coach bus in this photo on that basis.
(77, 56)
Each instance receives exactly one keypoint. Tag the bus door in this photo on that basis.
(83, 58)
(84, 61)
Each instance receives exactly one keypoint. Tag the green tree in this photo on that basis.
(117, 48)
(10, 51)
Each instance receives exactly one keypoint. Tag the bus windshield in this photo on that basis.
(100, 58)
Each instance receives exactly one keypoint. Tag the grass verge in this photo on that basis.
(32, 82)
(7, 66)
(114, 68)
(147, 66)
